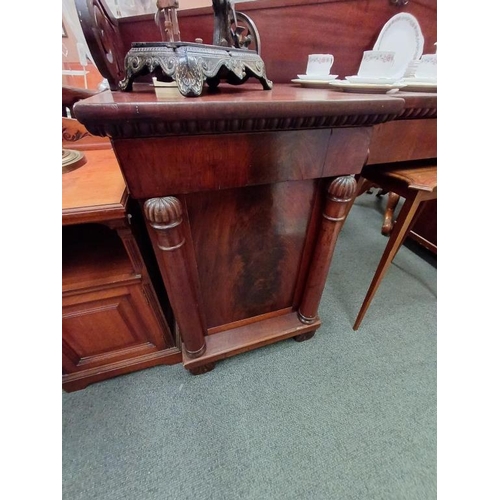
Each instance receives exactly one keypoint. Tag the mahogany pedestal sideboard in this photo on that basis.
(112, 322)
(245, 192)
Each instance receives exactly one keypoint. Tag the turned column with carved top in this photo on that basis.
(164, 216)
(340, 192)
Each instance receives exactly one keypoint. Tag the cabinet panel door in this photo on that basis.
(110, 325)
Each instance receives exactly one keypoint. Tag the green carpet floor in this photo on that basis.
(346, 415)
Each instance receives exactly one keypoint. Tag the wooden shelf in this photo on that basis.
(93, 255)
(95, 192)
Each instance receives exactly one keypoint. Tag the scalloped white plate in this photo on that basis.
(402, 34)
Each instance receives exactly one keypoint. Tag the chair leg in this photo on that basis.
(392, 202)
(399, 231)
(410, 226)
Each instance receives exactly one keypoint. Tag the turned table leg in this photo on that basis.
(340, 193)
(164, 215)
(392, 202)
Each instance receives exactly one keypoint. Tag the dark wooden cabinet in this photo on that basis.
(244, 193)
(112, 320)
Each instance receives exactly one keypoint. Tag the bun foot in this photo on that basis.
(304, 336)
(200, 370)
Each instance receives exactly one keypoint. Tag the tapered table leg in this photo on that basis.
(398, 234)
(340, 194)
(164, 215)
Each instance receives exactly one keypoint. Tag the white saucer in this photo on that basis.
(420, 79)
(366, 88)
(412, 85)
(372, 79)
(318, 78)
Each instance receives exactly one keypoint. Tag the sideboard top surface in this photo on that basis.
(244, 108)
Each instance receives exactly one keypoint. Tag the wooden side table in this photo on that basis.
(411, 137)
(112, 322)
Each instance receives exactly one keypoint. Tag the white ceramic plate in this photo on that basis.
(366, 79)
(316, 78)
(366, 88)
(417, 79)
(402, 34)
(313, 84)
(420, 87)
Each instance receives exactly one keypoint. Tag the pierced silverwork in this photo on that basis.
(233, 57)
(192, 64)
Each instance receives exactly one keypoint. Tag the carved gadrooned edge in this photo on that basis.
(191, 66)
(127, 129)
(163, 213)
(342, 189)
(417, 113)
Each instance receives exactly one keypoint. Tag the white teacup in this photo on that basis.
(427, 66)
(319, 64)
(377, 63)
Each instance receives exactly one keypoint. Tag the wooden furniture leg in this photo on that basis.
(400, 230)
(392, 202)
(364, 186)
(340, 194)
(169, 237)
(410, 226)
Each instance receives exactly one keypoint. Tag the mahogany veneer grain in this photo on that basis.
(244, 192)
(241, 138)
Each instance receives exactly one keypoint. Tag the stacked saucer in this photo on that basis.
(425, 77)
(317, 78)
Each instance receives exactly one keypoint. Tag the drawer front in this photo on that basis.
(403, 140)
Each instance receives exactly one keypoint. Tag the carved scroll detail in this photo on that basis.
(73, 136)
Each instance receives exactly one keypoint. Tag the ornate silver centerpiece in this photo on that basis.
(190, 64)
